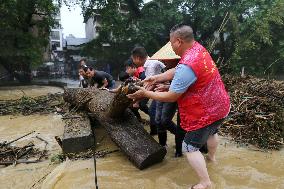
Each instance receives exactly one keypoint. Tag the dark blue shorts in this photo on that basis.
(194, 140)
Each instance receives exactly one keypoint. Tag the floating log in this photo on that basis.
(110, 110)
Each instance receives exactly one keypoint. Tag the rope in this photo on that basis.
(95, 164)
(224, 22)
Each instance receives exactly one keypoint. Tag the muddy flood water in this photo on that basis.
(237, 167)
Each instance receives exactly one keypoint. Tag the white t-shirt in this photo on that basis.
(81, 77)
(153, 67)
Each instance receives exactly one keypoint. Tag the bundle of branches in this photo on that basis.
(257, 112)
(13, 154)
(28, 105)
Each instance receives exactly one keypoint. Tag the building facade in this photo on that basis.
(92, 27)
(56, 36)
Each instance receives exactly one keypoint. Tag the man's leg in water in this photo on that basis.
(212, 144)
(192, 143)
(197, 162)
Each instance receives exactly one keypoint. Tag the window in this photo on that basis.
(55, 45)
(56, 24)
(55, 35)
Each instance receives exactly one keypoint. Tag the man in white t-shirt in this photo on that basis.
(151, 67)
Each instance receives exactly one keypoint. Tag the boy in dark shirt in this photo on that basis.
(100, 79)
(134, 71)
(131, 71)
(138, 73)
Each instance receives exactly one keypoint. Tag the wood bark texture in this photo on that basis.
(110, 110)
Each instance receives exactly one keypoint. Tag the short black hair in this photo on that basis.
(139, 51)
(123, 76)
(177, 26)
(184, 31)
(86, 68)
(130, 63)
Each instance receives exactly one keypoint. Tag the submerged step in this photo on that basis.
(78, 135)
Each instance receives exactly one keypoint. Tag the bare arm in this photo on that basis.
(160, 96)
(166, 76)
(116, 90)
(105, 83)
(163, 96)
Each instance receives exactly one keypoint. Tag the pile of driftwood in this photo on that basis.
(257, 111)
(28, 105)
(27, 154)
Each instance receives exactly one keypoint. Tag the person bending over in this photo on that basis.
(100, 79)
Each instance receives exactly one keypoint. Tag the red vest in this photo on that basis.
(138, 71)
(206, 101)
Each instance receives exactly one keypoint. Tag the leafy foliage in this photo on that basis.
(251, 35)
(24, 32)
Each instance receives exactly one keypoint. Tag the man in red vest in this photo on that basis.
(202, 99)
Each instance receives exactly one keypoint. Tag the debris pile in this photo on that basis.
(257, 111)
(27, 154)
(28, 105)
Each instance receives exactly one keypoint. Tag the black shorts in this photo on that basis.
(194, 140)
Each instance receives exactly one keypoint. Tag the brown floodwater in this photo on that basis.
(16, 92)
(237, 167)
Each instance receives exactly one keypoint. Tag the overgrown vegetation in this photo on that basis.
(24, 34)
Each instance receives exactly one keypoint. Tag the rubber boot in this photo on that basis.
(180, 133)
(153, 129)
(162, 138)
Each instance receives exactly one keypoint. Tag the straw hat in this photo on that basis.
(165, 53)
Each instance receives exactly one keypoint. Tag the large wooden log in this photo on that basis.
(125, 130)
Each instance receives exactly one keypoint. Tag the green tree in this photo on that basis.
(253, 28)
(251, 33)
(257, 36)
(24, 34)
(125, 24)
